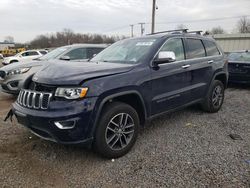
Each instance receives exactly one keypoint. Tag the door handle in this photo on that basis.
(185, 66)
(210, 61)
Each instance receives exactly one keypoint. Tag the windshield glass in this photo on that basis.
(54, 53)
(239, 56)
(125, 51)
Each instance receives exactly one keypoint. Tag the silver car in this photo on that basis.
(15, 76)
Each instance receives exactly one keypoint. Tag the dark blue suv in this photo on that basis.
(104, 101)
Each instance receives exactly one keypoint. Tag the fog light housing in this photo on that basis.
(68, 124)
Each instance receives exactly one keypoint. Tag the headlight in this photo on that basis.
(18, 71)
(71, 93)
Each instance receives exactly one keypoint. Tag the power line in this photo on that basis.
(202, 20)
(176, 22)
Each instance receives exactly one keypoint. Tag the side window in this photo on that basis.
(175, 45)
(196, 48)
(211, 48)
(93, 51)
(24, 54)
(43, 52)
(32, 53)
(79, 53)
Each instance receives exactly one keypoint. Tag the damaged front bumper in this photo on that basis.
(65, 122)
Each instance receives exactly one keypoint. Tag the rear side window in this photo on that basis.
(77, 54)
(32, 53)
(43, 52)
(196, 48)
(93, 51)
(211, 48)
(175, 45)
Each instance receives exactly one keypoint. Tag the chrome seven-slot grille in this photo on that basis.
(34, 99)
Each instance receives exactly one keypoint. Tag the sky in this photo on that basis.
(25, 19)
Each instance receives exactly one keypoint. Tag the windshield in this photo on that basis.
(239, 56)
(54, 53)
(125, 51)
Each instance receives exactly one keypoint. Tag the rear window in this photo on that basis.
(211, 48)
(239, 56)
(196, 48)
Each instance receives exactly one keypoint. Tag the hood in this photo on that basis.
(73, 73)
(19, 65)
(239, 62)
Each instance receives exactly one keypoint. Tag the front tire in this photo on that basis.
(215, 97)
(117, 130)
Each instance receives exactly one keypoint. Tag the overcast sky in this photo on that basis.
(25, 19)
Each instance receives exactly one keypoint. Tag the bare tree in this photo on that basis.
(67, 37)
(217, 30)
(243, 25)
(9, 39)
(181, 26)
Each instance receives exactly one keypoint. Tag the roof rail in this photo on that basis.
(196, 32)
(183, 31)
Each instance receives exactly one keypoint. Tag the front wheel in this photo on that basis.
(215, 97)
(117, 130)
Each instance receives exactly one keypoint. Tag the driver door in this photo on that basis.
(171, 81)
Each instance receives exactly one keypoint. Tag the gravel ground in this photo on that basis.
(187, 148)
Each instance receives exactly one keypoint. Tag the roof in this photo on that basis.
(7, 43)
(88, 45)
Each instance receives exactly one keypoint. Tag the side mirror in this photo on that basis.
(165, 57)
(65, 58)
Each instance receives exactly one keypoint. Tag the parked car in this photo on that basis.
(239, 67)
(103, 102)
(25, 56)
(16, 76)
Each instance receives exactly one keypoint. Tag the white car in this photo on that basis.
(25, 56)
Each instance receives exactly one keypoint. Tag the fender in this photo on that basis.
(217, 74)
(110, 97)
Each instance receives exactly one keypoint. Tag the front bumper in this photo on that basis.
(42, 122)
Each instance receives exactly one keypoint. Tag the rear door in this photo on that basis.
(201, 67)
(170, 82)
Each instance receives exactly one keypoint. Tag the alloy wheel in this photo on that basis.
(120, 131)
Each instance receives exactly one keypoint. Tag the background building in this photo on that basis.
(233, 42)
(4, 45)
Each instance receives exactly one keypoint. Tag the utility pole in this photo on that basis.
(132, 30)
(142, 28)
(153, 16)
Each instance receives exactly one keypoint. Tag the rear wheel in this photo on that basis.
(117, 130)
(214, 98)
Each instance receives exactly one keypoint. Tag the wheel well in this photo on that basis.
(133, 100)
(13, 61)
(222, 78)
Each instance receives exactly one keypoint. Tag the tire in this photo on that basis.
(113, 137)
(215, 97)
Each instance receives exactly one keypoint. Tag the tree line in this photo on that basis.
(67, 37)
